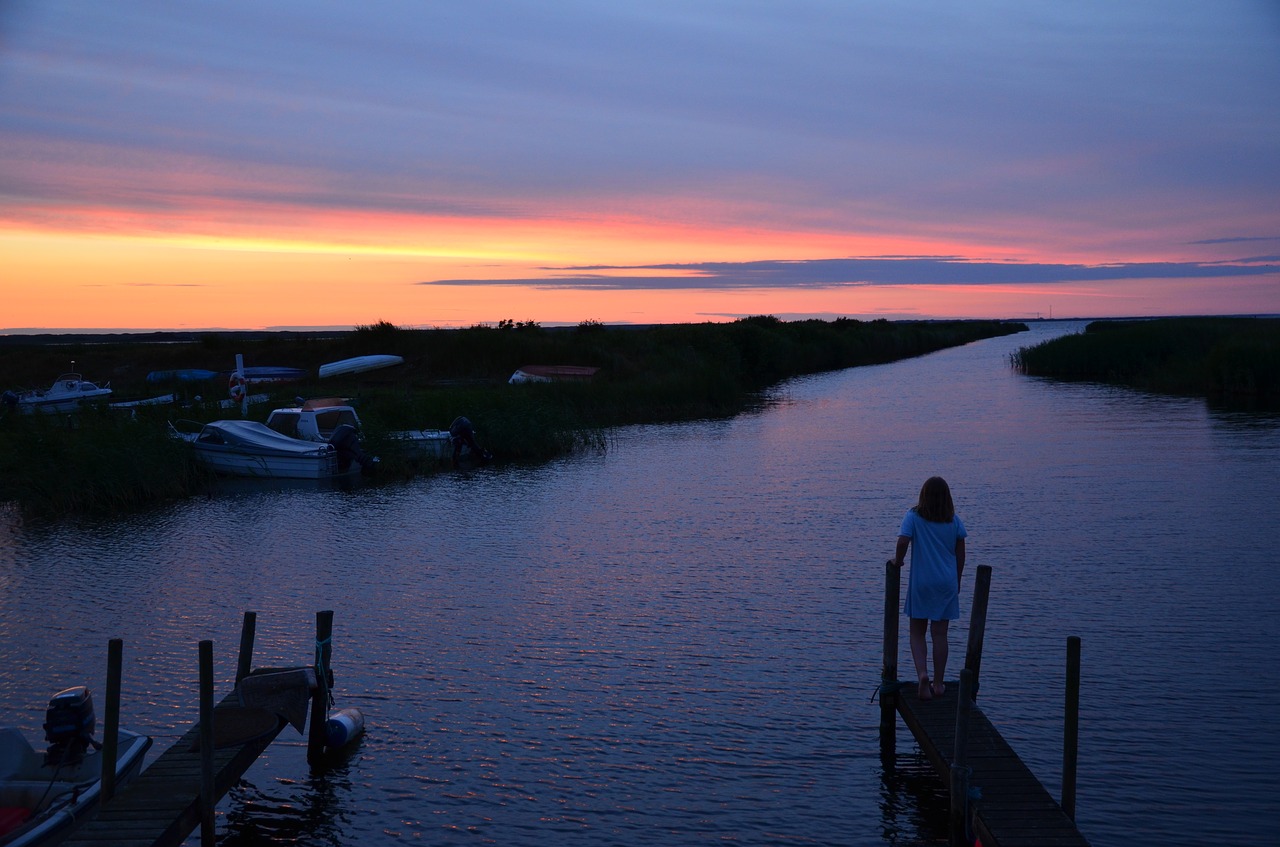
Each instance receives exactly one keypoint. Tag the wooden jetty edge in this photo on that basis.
(179, 791)
(995, 799)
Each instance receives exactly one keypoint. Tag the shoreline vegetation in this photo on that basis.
(1233, 362)
(101, 461)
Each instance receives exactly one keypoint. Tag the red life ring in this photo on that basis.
(237, 387)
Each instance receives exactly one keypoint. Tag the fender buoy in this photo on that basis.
(343, 727)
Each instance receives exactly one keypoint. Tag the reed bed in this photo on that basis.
(100, 461)
(1233, 361)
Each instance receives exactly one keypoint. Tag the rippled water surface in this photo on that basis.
(676, 642)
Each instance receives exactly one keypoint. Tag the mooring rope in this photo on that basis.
(887, 688)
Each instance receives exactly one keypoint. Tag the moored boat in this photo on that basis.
(359, 364)
(251, 449)
(43, 795)
(181, 375)
(323, 420)
(552, 373)
(66, 394)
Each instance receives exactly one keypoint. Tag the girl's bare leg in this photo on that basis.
(939, 631)
(919, 655)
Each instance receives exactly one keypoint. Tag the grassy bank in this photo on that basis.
(104, 462)
(1235, 361)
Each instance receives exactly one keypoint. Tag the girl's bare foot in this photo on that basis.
(924, 692)
(939, 688)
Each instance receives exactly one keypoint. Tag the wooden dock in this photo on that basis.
(178, 792)
(994, 796)
(1014, 809)
(162, 805)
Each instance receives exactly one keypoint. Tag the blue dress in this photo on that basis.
(933, 591)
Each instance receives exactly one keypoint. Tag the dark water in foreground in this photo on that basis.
(676, 642)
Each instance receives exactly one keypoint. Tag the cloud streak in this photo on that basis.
(870, 271)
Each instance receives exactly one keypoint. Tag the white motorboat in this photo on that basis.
(65, 395)
(322, 420)
(44, 795)
(252, 449)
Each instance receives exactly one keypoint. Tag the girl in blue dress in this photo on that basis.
(936, 538)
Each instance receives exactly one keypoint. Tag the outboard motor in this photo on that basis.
(347, 443)
(68, 726)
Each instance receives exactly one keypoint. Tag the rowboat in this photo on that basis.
(359, 364)
(181, 375)
(65, 395)
(44, 795)
(261, 374)
(552, 373)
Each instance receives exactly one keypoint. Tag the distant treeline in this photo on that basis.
(108, 462)
(1232, 360)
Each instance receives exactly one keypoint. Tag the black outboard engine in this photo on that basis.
(68, 726)
(347, 443)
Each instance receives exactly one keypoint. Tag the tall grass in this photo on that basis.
(1227, 359)
(96, 462)
(104, 462)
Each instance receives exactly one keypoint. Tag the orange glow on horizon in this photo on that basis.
(103, 267)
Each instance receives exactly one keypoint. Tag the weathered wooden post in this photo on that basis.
(320, 698)
(978, 624)
(889, 671)
(1071, 727)
(111, 719)
(959, 767)
(245, 663)
(207, 795)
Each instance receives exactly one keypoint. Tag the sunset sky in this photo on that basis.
(244, 165)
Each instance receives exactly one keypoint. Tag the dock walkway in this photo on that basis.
(1015, 810)
(161, 806)
(179, 791)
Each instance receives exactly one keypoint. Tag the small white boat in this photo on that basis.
(359, 364)
(158, 400)
(321, 419)
(44, 795)
(251, 449)
(65, 395)
(552, 373)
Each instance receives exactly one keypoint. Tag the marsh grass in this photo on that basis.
(1230, 360)
(95, 462)
(108, 462)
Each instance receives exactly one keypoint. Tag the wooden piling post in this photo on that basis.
(320, 698)
(111, 719)
(959, 819)
(245, 662)
(1071, 727)
(207, 793)
(978, 624)
(889, 671)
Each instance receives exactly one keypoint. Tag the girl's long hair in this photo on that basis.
(935, 503)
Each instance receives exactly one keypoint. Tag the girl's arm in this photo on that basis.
(959, 559)
(903, 542)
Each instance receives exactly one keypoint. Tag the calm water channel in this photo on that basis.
(676, 642)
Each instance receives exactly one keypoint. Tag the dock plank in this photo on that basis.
(1015, 809)
(161, 806)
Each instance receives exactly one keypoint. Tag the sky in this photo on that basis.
(245, 165)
